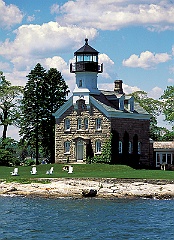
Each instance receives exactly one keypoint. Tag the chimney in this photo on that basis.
(118, 86)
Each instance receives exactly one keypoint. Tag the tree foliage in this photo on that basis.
(168, 104)
(153, 107)
(8, 152)
(44, 93)
(10, 97)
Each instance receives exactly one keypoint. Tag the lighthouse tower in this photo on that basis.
(86, 69)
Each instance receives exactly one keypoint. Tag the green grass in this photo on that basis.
(83, 171)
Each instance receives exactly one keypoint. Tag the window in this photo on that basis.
(86, 123)
(87, 58)
(79, 123)
(80, 83)
(120, 147)
(67, 147)
(80, 58)
(98, 124)
(130, 147)
(98, 146)
(121, 104)
(139, 147)
(67, 124)
(131, 105)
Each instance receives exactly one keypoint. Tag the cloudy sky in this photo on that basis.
(135, 39)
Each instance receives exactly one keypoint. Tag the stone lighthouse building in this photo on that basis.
(90, 116)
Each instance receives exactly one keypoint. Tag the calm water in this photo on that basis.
(37, 218)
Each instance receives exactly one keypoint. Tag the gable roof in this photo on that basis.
(103, 104)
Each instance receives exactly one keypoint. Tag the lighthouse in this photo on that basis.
(86, 69)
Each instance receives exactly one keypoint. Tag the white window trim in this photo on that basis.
(67, 147)
(67, 124)
(130, 147)
(98, 124)
(79, 124)
(98, 147)
(86, 123)
(139, 147)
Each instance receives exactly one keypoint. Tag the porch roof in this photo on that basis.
(163, 145)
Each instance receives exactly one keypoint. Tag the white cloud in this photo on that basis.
(108, 65)
(146, 60)
(170, 80)
(9, 15)
(115, 14)
(110, 87)
(54, 9)
(63, 67)
(130, 89)
(4, 66)
(155, 93)
(30, 18)
(43, 40)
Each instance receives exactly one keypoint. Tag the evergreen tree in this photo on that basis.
(44, 93)
(55, 91)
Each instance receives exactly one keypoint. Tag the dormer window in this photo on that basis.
(131, 105)
(80, 83)
(121, 104)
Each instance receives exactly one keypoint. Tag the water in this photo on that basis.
(38, 218)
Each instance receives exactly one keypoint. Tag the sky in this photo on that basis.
(135, 39)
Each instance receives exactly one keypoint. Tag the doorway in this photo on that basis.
(79, 151)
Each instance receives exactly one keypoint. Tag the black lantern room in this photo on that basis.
(86, 60)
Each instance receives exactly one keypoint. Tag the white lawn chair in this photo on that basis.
(33, 171)
(70, 169)
(50, 171)
(15, 172)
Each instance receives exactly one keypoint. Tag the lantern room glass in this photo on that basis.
(87, 58)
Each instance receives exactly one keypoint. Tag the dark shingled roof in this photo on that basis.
(103, 100)
(86, 49)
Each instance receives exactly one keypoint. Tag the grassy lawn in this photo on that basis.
(84, 171)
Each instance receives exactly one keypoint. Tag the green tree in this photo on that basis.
(8, 152)
(153, 107)
(44, 93)
(10, 97)
(32, 108)
(55, 91)
(168, 104)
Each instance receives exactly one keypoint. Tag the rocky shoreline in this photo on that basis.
(106, 188)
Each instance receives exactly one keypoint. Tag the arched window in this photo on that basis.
(130, 147)
(86, 123)
(120, 147)
(67, 124)
(79, 123)
(139, 147)
(98, 146)
(67, 147)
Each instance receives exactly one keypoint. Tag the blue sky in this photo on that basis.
(135, 40)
